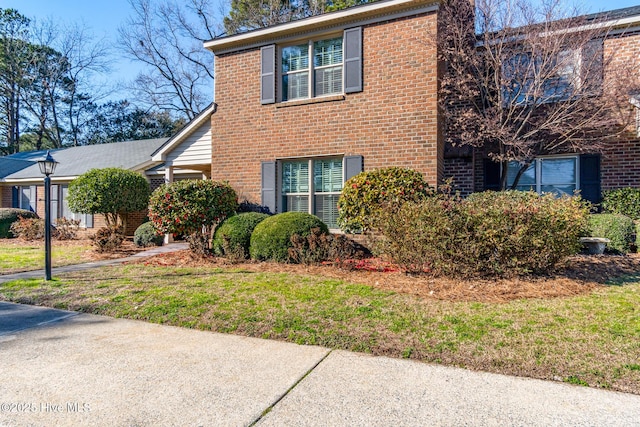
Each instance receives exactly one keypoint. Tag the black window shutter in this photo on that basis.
(269, 185)
(590, 177)
(15, 197)
(353, 165)
(353, 60)
(267, 74)
(491, 175)
(592, 64)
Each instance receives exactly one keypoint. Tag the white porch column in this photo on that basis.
(168, 174)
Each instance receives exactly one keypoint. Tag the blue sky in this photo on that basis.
(104, 17)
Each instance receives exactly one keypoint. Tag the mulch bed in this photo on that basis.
(580, 274)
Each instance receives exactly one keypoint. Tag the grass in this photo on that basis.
(15, 258)
(589, 340)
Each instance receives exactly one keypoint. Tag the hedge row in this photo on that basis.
(490, 233)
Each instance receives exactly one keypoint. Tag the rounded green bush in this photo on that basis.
(146, 235)
(112, 192)
(10, 215)
(271, 239)
(236, 232)
(369, 193)
(620, 229)
(622, 201)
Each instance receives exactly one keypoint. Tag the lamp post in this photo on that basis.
(47, 167)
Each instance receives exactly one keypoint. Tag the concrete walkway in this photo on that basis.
(68, 369)
(172, 247)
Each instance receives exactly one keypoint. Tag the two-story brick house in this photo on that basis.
(303, 106)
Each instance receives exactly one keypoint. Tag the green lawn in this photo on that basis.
(15, 257)
(589, 340)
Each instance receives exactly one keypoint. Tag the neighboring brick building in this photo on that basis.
(617, 166)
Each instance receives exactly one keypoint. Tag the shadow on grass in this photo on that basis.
(627, 279)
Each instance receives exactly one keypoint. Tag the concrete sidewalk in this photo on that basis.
(172, 247)
(66, 369)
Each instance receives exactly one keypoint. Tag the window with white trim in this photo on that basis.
(26, 197)
(529, 79)
(312, 69)
(312, 186)
(86, 220)
(558, 175)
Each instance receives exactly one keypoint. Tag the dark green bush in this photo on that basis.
(233, 236)
(112, 192)
(10, 215)
(271, 239)
(146, 235)
(364, 195)
(620, 229)
(492, 233)
(622, 201)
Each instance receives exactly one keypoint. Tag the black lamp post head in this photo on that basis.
(47, 165)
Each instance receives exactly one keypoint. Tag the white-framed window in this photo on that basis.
(529, 78)
(27, 197)
(558, 175)
(312, 69)
(86, 220)
(313, 186)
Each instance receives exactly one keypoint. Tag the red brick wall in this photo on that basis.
(392, 122)
(461, 170)
(620, 164)
(6, 197)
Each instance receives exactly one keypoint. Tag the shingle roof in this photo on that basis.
(74, 161)
(627, 12)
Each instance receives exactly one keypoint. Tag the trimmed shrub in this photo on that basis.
(10, 215)
(67, 229)
(493, 233)
(638, 236)
(622, 201)
(28, 228)
(320, 247)
(192, 208)
(112, 192)
(271, 239)
(620, 229)
(365, 195)
(233, 236)
(108, 239)
(146, 235)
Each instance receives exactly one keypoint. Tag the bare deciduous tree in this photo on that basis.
(524, 79)
(168, 38)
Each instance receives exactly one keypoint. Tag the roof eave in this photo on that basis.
(160, 155)
(327, 20)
